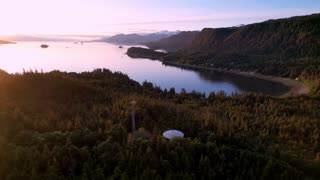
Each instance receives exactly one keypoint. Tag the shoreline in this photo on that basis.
(296, 87)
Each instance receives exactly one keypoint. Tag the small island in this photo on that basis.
(44, 46)
(137, 52)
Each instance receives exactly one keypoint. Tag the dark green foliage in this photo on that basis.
(284, 47)
(77, 126)
(137, 52)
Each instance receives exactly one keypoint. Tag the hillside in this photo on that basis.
(293, 37)
(175, 42)
(77, 126)
(135, 39)
(209, 39)
(284, 47)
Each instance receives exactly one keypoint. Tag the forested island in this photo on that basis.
(77, 126)
(138, 52)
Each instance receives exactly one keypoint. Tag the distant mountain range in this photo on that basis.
(136, 39)
(5, 42)
(175, 42)
(49, 38)
(283, 47)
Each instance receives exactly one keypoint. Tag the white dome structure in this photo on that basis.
(173, 134)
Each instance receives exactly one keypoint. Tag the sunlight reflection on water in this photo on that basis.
(72, 57)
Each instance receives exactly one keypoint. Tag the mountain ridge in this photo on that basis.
(283, 47)
(175, 42)
(266, 37)
(135, 39)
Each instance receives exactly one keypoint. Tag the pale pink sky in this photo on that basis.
(114, 16)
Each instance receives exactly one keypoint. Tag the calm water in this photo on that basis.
(77, 58)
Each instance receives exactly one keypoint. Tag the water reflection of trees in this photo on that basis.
(244, 84)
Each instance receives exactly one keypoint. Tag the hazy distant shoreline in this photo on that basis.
(6, 42)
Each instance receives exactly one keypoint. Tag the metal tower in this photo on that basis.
(133, 121)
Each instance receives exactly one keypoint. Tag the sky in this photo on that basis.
(108, 17)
